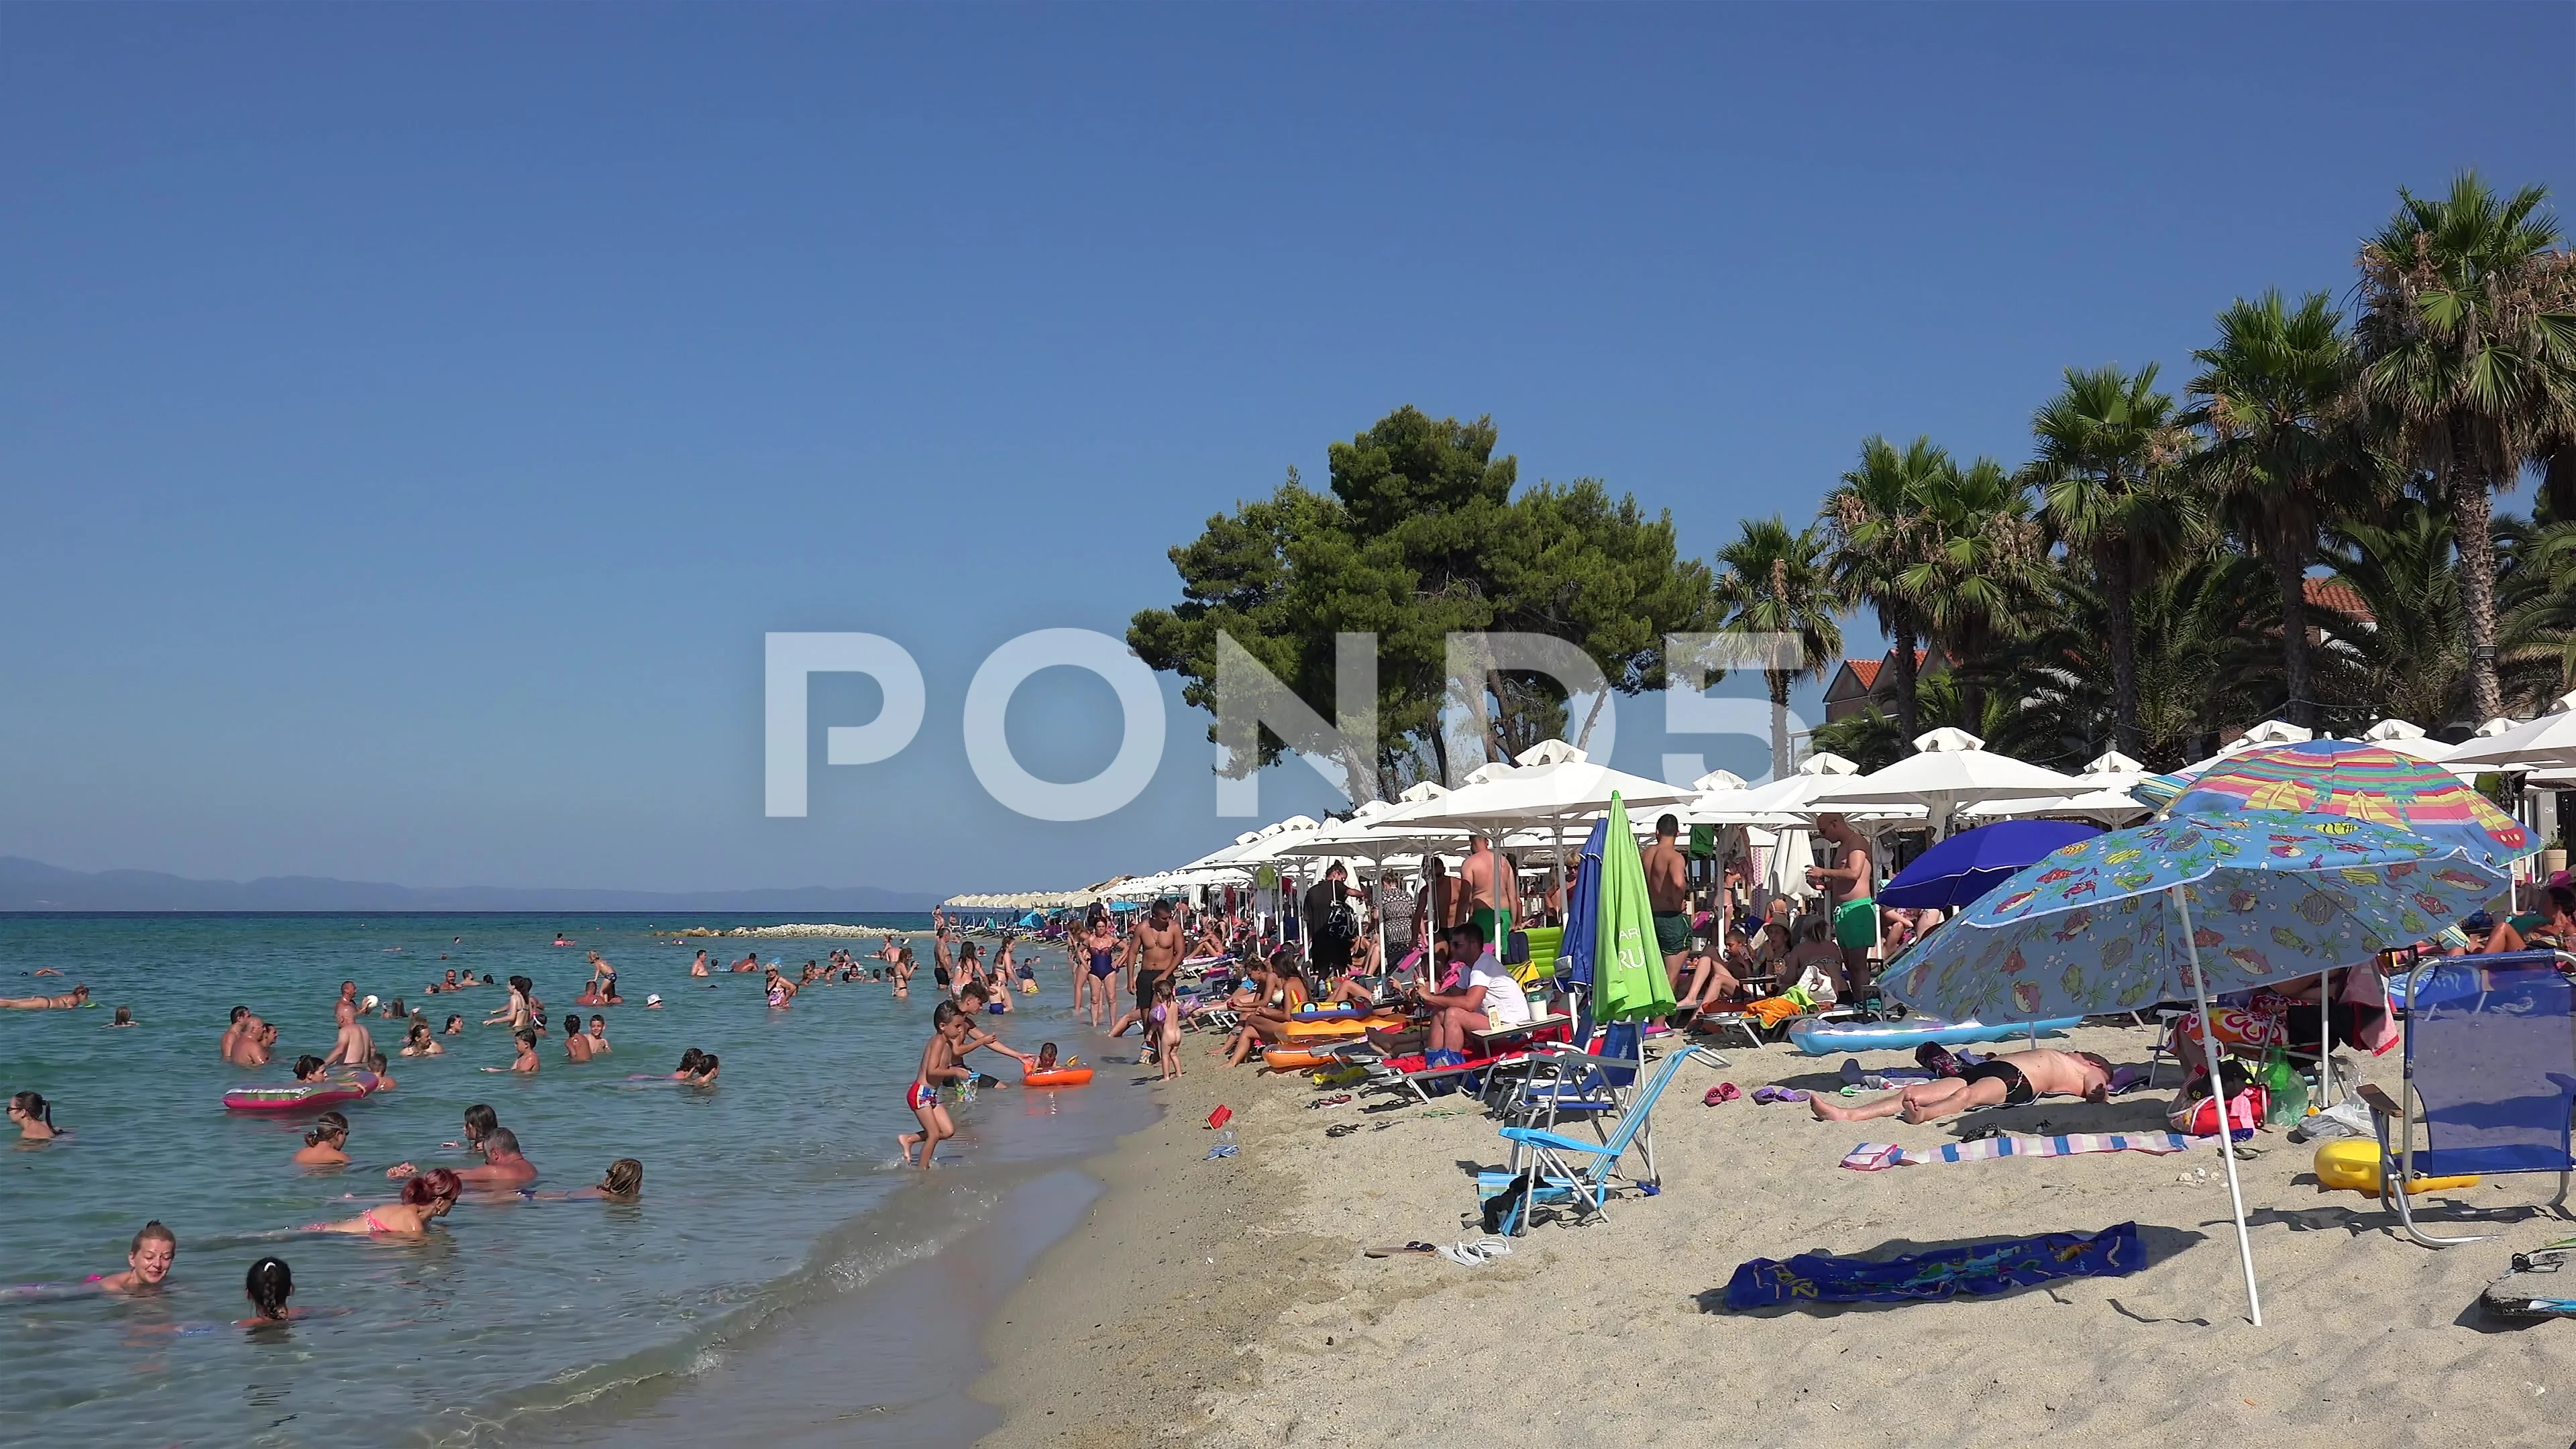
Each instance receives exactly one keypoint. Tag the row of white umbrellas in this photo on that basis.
(1553, 791)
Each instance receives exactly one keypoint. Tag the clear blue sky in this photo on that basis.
(411, 417)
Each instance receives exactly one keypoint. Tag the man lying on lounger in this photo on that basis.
(2006, 1080)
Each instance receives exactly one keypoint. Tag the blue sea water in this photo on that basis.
(519, 1321)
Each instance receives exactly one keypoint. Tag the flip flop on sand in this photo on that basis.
(1768, 1095)
(1464, 1255)
(1722, 1092)
(1420, 1248)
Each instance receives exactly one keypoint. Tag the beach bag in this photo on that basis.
(2247, 1104)
(1340, 923)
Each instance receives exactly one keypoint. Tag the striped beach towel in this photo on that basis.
(1879, 1156)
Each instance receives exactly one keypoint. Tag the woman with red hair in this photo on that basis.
(425, 1199)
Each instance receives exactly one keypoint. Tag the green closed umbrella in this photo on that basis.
(1628, 979)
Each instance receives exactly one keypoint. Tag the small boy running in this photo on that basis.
(938, 1067)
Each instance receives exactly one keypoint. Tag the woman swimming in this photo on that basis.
(35, 1117)
(425, 1199)
(624, 1182)
(326, 1145)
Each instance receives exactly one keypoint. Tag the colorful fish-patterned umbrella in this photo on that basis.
(2189, 905)
(2365, 782)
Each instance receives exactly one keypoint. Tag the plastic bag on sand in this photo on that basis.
(2347, 1118)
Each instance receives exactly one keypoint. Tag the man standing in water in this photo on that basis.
(1848, 883)
(1491, 889)
(1668, 892)
(354, 1044)
(1153, 956)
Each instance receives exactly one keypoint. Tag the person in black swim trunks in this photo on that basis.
(2007, 1080)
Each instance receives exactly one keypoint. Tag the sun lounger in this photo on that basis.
(2490, 1045)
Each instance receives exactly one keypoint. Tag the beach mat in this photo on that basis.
(1879, 1156)
(1982, 1268)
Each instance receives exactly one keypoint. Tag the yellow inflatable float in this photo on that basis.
(2352, 1165)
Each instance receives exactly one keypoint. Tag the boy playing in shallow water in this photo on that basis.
(938, 1067)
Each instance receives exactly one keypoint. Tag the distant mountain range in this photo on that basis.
(31, 885)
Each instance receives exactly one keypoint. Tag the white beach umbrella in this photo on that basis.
(2110, 807)
(2546, 743)
(1552, 781)
(1950, 768)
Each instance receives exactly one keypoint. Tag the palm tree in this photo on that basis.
(2536, 603)
(2281, 462)
(1977, 566)
(1774, 582)
(2410, 662)
(2109, 446)
(1874, 520)
(2468, 344)
(2201, 665)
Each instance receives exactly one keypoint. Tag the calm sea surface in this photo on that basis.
(772, 1196)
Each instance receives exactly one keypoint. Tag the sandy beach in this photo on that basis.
(1230, 1302)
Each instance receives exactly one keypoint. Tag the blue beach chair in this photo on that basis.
(2491, 1061)
(1569, 1083)
(1554, 1168)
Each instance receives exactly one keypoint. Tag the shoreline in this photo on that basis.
(1131, 1323)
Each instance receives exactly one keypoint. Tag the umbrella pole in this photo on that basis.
(2325, 1038)
(2209, 1051)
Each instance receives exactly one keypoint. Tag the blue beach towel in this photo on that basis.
(1994, 1267)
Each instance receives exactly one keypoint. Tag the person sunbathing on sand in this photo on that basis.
(2010, 1079)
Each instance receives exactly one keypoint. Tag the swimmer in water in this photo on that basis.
(706, 1076)
(623, 1182)
(353, 1043)
(327, 1144)
(526, 1060)
(699, 966)
(576, 1045)
(124, 1017)
(35, 1117)
(425, 1199)
(308, 1068)
(147, 1262)
(939, 1066)
(598, 1035)
(269, 1284)
(690, 1061)
(76, 997)
(421, 1044)
(375, 1078)
(455, 1027)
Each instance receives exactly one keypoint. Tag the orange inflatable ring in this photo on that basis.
(1060, 1077)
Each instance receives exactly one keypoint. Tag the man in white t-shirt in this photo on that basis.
(1487, 999)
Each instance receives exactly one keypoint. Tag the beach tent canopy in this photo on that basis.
(1551, 781)
(2547, 743)
(1950, 768)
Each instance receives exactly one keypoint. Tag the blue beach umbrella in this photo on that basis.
(1964, 867)
(2187, 905)
(1583, 912)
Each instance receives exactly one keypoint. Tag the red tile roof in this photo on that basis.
(1864, 670)
(2342, 598)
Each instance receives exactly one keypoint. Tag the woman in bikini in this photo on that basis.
(1283, 995)
(425, 1199)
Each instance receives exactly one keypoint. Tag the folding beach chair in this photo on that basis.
(2490, 1046)
(1551, 1167)
(1591, 1083)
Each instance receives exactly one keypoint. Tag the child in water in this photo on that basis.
(939, 1066)
(327, 1144)
(526, 1061)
